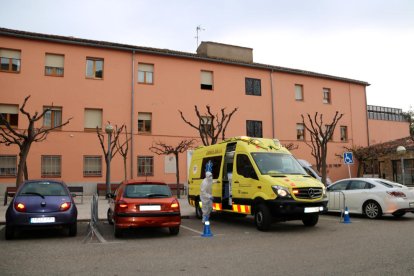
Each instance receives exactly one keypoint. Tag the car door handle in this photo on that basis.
(237, 182)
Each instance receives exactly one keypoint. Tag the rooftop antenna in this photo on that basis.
(198, 29)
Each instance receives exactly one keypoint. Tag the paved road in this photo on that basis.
(364, 247)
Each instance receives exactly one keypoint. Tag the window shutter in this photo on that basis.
(9, 109)
(93, 118)
(9, 53)
(207, 77)
(54, 60)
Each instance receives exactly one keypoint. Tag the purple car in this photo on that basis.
(41, 203)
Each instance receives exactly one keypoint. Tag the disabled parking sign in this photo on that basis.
(348, 158)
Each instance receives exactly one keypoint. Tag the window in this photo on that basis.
(145, 165)
(94, 68)
(92, 166)
(205, 126)
(93, 118)
(144, 122)
(207, 80)
(9, 60)
(54, 65)
(145, 73)
(298, 92)
(51, 165)
(244, 166)
(300, 132)
(344, 133)
(10, 113)
(8, 165)
(253, 87)
(326, 95)
(254, 128)
(53, 117)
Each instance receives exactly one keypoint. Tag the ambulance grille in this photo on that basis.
(309, 193)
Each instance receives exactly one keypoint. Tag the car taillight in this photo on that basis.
(175, 204)
(396, 194)
(121, 204)
(64, 206)
(20, 207)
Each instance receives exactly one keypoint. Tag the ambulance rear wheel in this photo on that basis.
(263, 218)
(198, 211)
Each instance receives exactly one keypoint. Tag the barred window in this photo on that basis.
(145, 165)
(253, 87)
(92, 166)
(8, 165)
(51, 165)
(254, 128)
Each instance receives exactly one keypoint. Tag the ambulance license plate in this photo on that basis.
(311, 209)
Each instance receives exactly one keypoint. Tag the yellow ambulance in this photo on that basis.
(258, 177)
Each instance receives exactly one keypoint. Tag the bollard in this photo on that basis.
(347, 219)
(207, 231)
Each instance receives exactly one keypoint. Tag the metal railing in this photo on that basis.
(92, 227)
(337, 201)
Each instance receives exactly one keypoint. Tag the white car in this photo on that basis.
(372, 197)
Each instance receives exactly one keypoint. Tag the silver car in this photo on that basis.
(372, 197)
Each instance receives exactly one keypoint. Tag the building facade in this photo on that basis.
(95, 82)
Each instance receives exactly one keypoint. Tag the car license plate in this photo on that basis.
(42, 220)
(311, 209)
(150, 207)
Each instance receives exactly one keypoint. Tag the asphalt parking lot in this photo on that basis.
(363, 247)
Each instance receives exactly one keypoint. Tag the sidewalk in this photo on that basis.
(84, 209)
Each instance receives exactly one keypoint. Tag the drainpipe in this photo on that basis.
(272, 100)
(132, 114)
(366, 114)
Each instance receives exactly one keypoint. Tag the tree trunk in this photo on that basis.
(125, 168)
(22, 163)
(324, 154)
(177, 169)
(26, 173)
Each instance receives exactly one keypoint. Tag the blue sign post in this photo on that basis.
(349, 160)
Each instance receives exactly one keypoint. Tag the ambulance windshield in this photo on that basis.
(277, 163)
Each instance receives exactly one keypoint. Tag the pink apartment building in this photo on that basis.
(94, 82)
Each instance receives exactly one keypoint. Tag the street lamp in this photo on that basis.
(401, 151)
(108, 129)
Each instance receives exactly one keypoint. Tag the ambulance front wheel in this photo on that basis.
(310, 220)
(198, 211)
(263, 218)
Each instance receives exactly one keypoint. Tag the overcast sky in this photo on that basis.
(371, 40)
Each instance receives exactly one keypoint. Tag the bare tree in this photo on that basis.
(210, 126)
(409, 116)
(25, 137)
(161, 148)
(123, 150)
(109, 151)
(320, 134)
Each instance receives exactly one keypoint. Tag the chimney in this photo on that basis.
(225, 51)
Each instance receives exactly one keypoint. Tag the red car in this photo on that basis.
(143, 204)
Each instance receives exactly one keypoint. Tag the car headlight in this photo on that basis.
(281, 191)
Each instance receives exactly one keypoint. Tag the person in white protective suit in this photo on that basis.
(206, 196)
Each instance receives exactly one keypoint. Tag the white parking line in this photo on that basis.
(191, 229)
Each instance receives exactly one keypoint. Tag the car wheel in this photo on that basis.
(399, 214)
(372, 210)
(117, 232)
(73, 229)
(310, 220)
(9, 233)
(262, 218)
(198, 211)
(109, 216)
(174, 230)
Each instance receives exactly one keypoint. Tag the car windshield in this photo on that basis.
(43, 188)
(146, 191)
(277, 163)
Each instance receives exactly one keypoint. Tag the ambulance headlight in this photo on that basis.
(281, 191)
